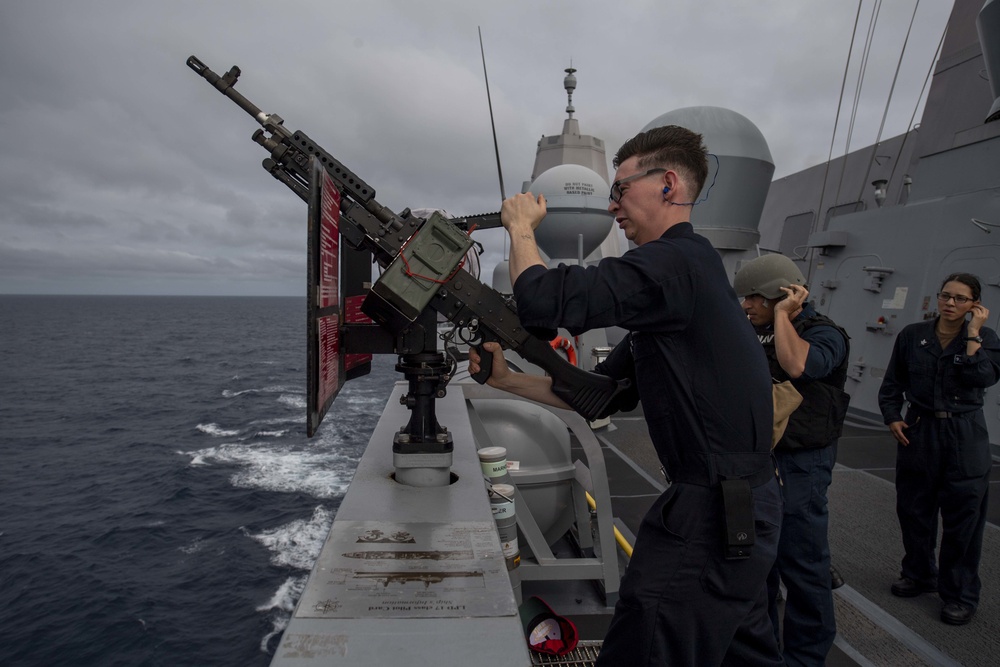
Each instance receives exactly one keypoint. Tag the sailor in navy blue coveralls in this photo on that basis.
(703, 380)
(705, 391)
(946, 464)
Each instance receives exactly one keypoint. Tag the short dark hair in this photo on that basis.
(671, 146)
(969, 280)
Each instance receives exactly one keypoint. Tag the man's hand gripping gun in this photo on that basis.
(421, 258)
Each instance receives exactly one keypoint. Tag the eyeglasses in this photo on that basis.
(960, 300)
(616, 187)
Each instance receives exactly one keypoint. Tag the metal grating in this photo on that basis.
(584, 655)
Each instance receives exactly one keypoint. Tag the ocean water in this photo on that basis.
(160, 503)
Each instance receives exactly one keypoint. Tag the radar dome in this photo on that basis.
(577, 201)
(730, 215)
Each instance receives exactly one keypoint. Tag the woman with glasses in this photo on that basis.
(942, 367)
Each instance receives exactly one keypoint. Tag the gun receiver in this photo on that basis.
(394, 240)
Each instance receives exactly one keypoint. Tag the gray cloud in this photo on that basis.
(124, 172)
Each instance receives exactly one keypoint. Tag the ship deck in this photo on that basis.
(873, 626)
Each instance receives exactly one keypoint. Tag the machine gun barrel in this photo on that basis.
(290, 151)
(224, 84)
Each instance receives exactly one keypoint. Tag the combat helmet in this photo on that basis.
(765, 275)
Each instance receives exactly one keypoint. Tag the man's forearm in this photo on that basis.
(790, 349)
(523, 251)
(533, 387)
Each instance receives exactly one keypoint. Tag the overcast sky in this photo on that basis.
(123, 172)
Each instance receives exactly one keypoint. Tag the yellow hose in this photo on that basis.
(619, 538)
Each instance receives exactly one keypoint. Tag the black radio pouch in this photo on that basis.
(737, 502)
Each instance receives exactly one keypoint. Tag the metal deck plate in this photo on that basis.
(584, 655)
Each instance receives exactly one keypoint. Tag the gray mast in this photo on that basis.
(570, 147)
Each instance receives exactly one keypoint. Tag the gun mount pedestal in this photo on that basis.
(407, 575)
(422, 450)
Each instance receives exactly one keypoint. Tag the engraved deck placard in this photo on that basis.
(375, 569)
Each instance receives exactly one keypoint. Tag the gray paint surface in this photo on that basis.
(346, 619)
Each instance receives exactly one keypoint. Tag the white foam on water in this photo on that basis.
(283, 603)
(282, 389)
(196, 459)
(287, 595)
(317, 471)
(321, 475)
(232, 393)
(297, 401)
(280, 623)
(194, 547)
(297, 544)
(216, 430)
(271, 421)
(268, 434)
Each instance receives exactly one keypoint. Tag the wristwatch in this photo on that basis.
(977, 339)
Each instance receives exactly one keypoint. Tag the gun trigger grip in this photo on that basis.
(485, 364)
(485, 356)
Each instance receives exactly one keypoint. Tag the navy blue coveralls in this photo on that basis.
(946, 466)
(702, 377)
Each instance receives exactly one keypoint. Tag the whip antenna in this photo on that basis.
(496, 147)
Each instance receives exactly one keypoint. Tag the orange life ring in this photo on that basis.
(560, 343)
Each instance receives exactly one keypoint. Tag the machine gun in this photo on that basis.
(421, 259)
